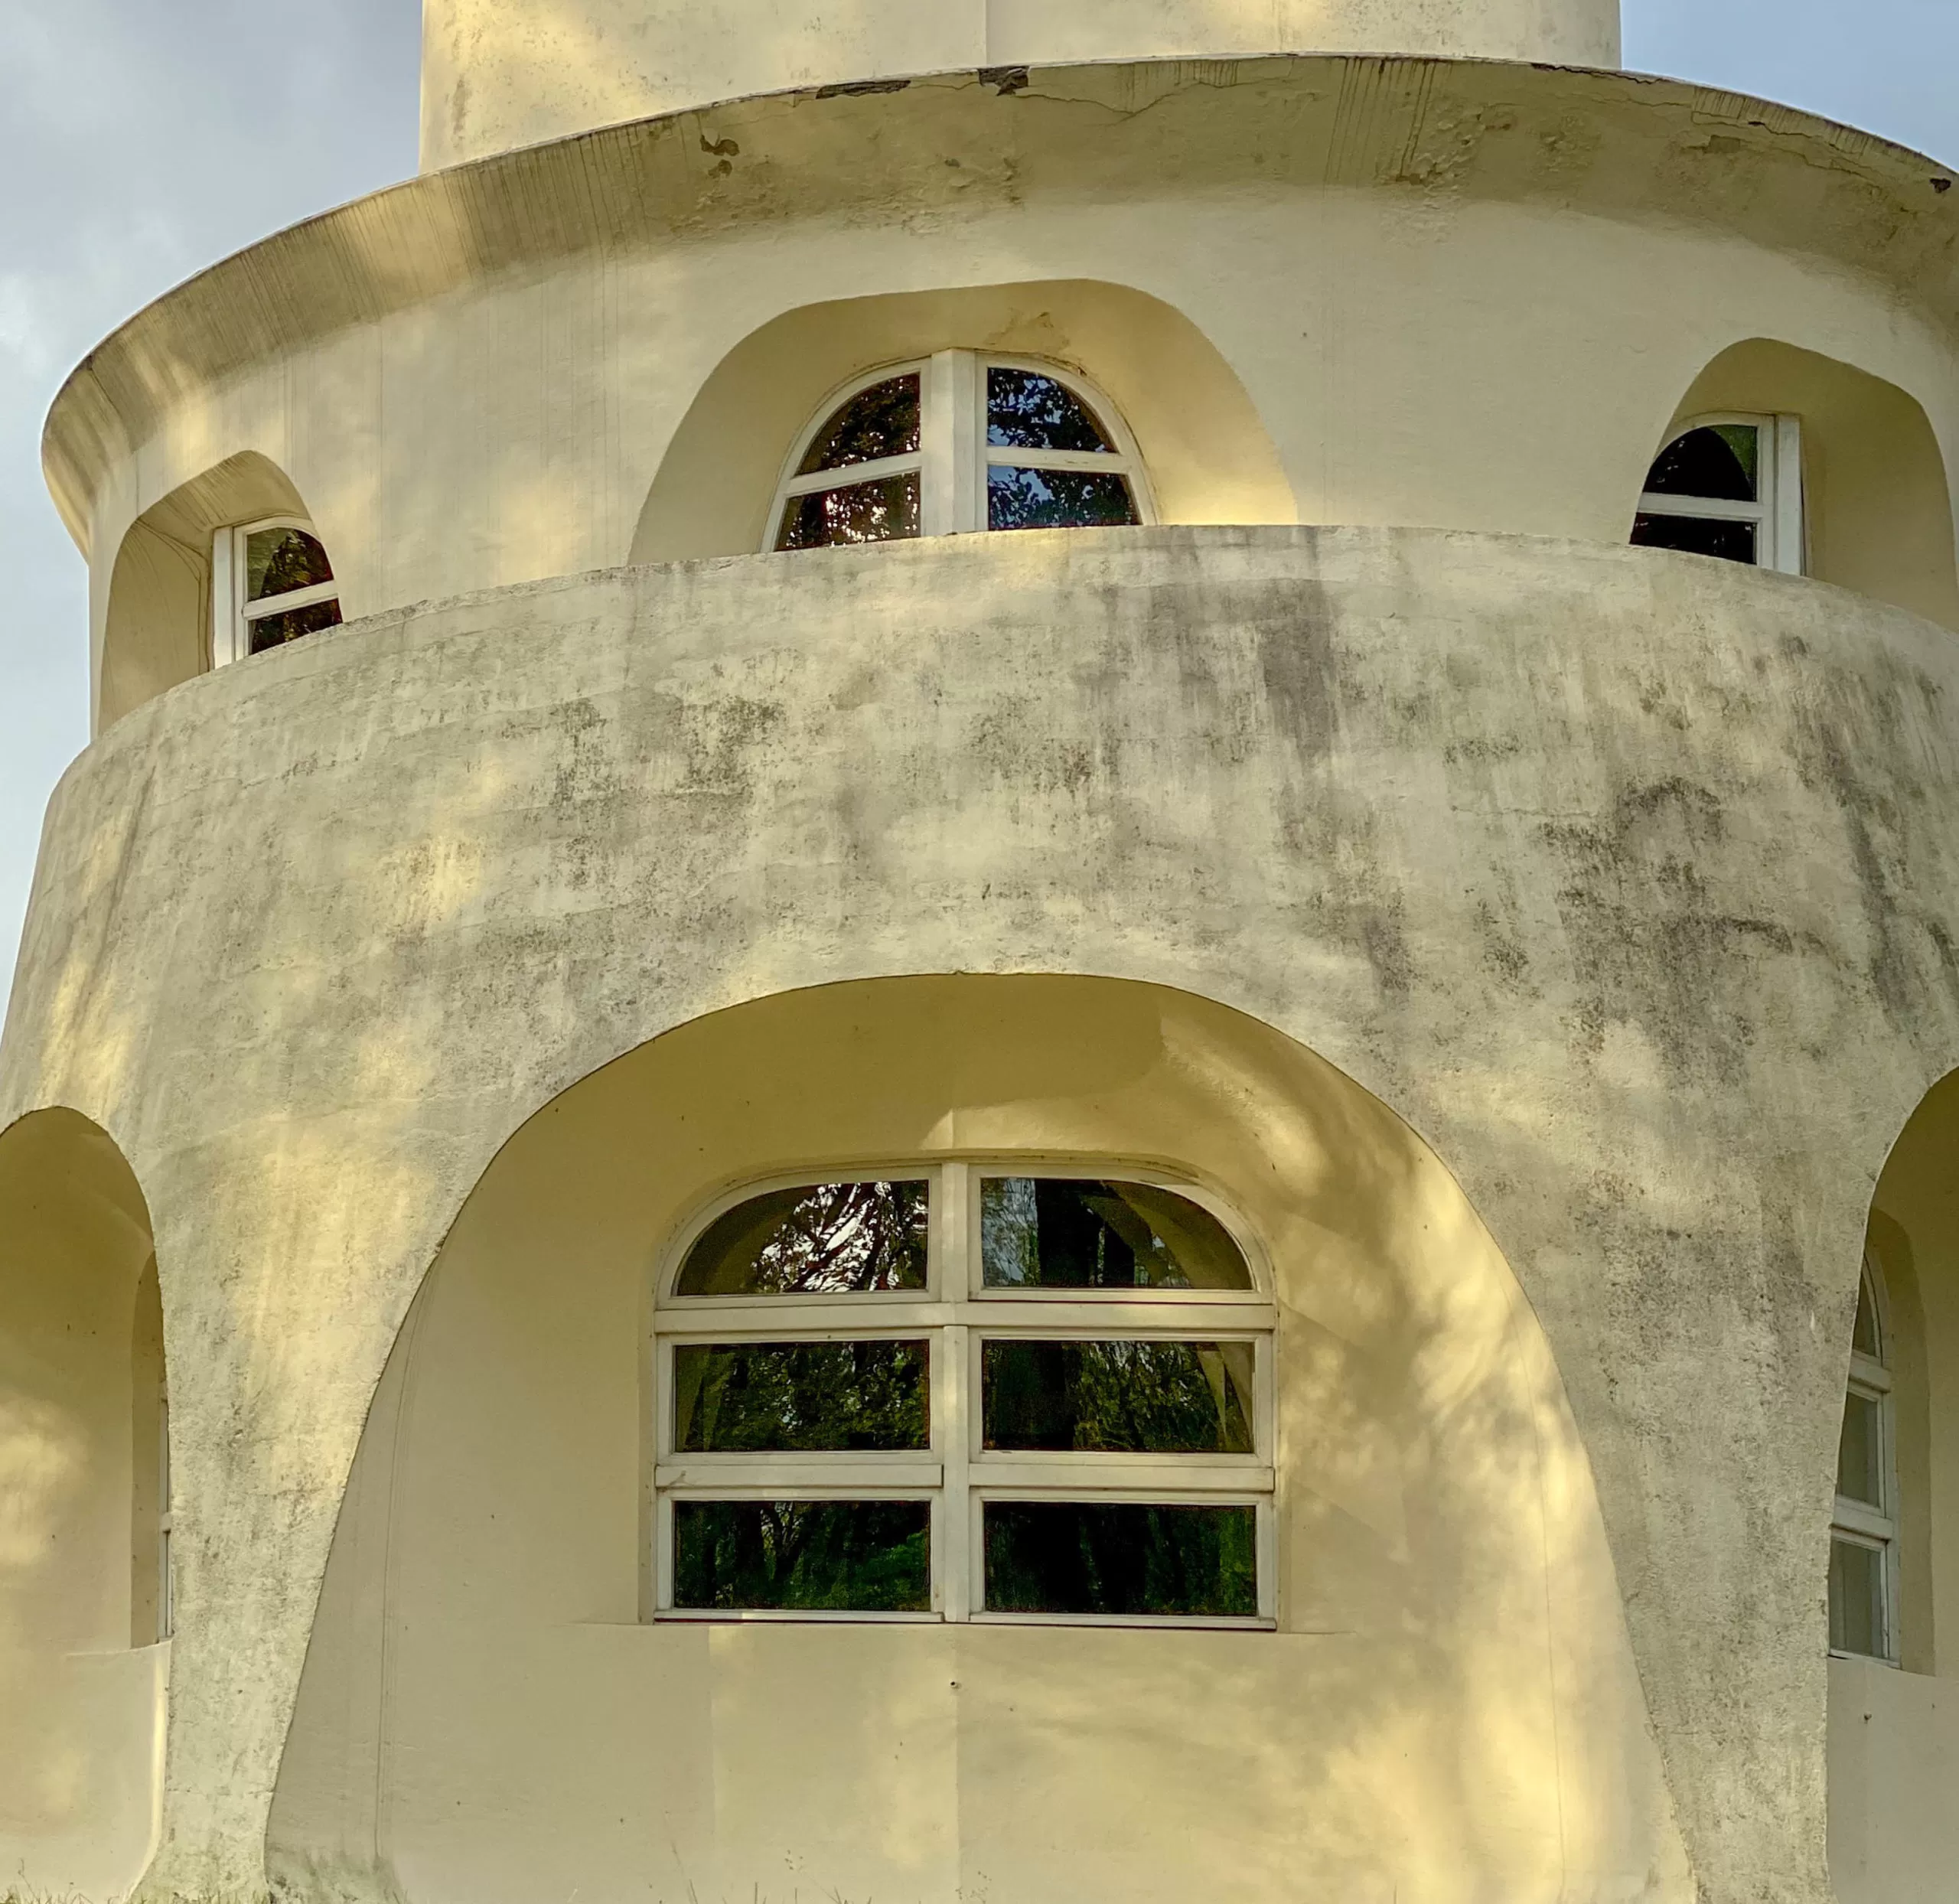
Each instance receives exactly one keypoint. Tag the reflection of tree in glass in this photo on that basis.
(1054, 1232)
(882, 421)
(829, 1239)
(278, 561)
(748, 1397)
(1720, 462)
(1057, 499)
(274, 631)
(883, 511)
(1118, 1396)
(1025, 410)
(1120, 1558)
(867, 1556)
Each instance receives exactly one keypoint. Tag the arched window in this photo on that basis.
(1730, 486)
(1863, 1538)
(959, 442)
(965, 1392)
(271, 583)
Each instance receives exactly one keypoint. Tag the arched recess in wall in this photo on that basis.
(1894, 1728)
(1210, 457)
(157, 631)
(82, 1393)
(1877, 504)
(1450, 1687)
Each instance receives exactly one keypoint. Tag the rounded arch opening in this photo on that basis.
(157, 624)
(1871, 507)
(84, 1453)
(1208, 455)
(1894, 1724)
(1447, 1628)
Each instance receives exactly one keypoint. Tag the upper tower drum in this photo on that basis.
(500, 73)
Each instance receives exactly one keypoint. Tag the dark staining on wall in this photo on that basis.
(1853, 734)
(1649, 946)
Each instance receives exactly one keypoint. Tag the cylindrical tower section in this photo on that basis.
(500, 73)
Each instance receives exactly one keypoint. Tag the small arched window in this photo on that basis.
(271, 583)
(1863, 1535)
(965, 1392)
(1730, 486)
(960, 442)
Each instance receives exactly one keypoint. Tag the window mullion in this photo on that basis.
(957, 1399)
(948, 479)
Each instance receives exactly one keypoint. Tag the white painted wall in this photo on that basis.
(500, 73)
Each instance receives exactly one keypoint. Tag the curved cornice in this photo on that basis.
(1610, 144)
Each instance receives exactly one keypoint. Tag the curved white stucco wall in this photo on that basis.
(500, 73)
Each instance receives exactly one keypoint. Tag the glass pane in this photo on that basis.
(1857, 1600)
(1057, 499)
(741, 1397)
(832, 1556)
(1860, 1453)
(1025, 410)
(1722, 461)
(1069, 1557)
(1866, 1338)
(882, 421)
(886, 511)
(274, 631)
(1696, 536)
(1063, 1234)
(1123, 1397)
(821, 1239)
(278, 561)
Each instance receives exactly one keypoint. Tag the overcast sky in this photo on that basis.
(142, 139)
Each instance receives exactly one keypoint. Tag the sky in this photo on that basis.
(141, 140)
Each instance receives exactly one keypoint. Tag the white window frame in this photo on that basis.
(166, 1598)
(953, 457)
(958, 1314)
(1780, 538)
(231, 615)
(1856, 1522)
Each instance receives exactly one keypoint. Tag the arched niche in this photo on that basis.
(81, 1393)
(1209, 456)
(1877, 506)
(157, 631)
(1450, 1707)
(1894, 1730)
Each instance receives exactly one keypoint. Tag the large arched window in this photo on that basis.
(959, 442)
(965, 1392)
(1729, 487)
(1863, 1536)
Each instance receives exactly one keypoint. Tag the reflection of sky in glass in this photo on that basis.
(1059, 1232)
(1025, 410)
(1057, 499)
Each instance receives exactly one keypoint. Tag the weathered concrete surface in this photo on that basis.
(1626, 878)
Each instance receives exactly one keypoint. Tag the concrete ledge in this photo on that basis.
(1628, 878)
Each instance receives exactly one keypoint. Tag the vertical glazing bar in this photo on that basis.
(1790, 528)
(952, 1357)
(224, 599)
